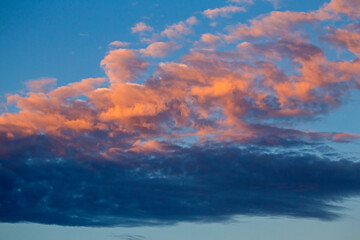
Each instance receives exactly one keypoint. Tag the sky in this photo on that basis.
(150, 120)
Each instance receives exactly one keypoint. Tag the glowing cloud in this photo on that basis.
(159, 49)
(223, 11)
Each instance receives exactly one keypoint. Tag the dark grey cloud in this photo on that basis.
(208, 183)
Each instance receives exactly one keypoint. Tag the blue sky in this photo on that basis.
(163, 119)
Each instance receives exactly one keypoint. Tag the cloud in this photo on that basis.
(141, 27)
(159, 49)
(348, 7)
(276, 23)
(210, 38)
(346, 38)
(223, 11)
(41, 85)
(197, 184)
(119, 44)
(208, 136)
(122, 65)
(191, 20)
(242, 1)
(179, 29)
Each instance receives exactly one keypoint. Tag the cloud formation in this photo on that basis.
(80, 188)
(141, 27)
(179, 29)
(159, 49)
(223, 11)
(119, 44)
(200, 138)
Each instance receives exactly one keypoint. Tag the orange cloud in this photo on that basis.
(123, 65)
(159, 49)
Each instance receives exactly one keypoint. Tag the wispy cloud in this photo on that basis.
(119, 44)
(223, 11)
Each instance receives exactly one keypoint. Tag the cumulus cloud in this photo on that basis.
(201, 138)
(122, 65)
(141, 27)
(179, 29)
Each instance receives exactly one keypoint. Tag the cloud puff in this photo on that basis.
(141, 27)
(119, 44)
(122, 65)
(179, 29)
(159, 49)
(210, 38)
(223, 11)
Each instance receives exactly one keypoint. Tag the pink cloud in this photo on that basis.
(223, 11)
(179, 29)
(348, 7)
(210, 38)
(41, 85)
(176, 30)
(141, 27)
(123, 65)
(159, 49)
(242, 1)
(119, 44)
(346, 38)
(191, 20)
(276, 24)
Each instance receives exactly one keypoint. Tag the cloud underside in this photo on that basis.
(203, 138)
(196, 184)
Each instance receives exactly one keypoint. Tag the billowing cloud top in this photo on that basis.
(201, 138)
